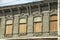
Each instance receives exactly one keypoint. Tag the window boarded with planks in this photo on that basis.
(53, 23)
(53, 17)
(37, 24)
(9, 27)
(22, 26)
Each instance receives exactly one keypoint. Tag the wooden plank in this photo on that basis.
(53, 18)
(37, 27)
(22, 28)
(53, 26)
(8, 29)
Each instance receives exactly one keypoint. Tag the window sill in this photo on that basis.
(37, 34)
(53, 33)
(8, 35)
(22, 34)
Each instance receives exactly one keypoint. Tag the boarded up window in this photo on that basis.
(53, 18)
(22, 27)
(9, 27)
(37, 27)
(53, 23)
(53, 26)
(37, 24)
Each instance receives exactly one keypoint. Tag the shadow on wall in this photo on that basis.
(36, 39)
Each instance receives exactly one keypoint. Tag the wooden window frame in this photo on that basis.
(22, 23)
(8, 35)
(53, 21)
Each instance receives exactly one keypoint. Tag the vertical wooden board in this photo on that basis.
(56, 27)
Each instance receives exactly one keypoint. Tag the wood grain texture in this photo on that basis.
(8, 29)
(22, 28)
(37, 27)
(53, 18)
